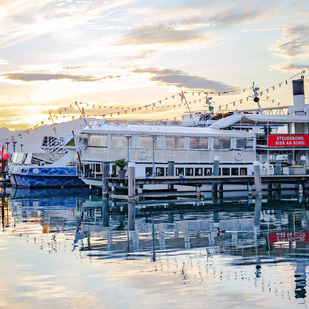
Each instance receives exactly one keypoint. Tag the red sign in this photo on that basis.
(288, 236)
(285, 140)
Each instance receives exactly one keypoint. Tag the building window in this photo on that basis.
(244, 143)
(146, 142)
(198, 143)
(159, 171)
(243, 171)
(234, 171)
(179, 170)
(98, 140)
(225, 171)
(189, 171)
(221, 143)
(148, 171)
(198, 171)
(207, 171)
(174, 142)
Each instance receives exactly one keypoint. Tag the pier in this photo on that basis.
(131, 188)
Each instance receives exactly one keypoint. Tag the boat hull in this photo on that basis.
(42, 177)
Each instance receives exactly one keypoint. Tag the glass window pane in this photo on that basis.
(146, 142)
(221, 143)
(98, 140)
(198, 143)
(118, 141)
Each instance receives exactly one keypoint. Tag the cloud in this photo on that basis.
(165, 34)
(30, 77)
(291, 67)
(182, 79)
(294, 42)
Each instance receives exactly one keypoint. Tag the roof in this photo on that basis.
(225, 122)
(161, 130)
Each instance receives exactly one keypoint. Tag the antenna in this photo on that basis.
(54, 124)
(82, 113)
(183, 97)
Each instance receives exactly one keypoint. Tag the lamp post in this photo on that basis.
(153, 154)
(21, 147)
(128, 146)
(7, 146)
(14, 143)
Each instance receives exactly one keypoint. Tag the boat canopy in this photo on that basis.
(225, 122)
(162, 130)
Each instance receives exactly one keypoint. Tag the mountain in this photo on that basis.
(31, 140)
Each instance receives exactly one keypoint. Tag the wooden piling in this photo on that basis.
(105, 175)
(257, 178)
(131, 181)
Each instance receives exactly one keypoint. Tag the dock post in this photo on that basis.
(170, 172)
(215, 173)
(105, 174)
(278, 170)
(131, 181)
(257, 178)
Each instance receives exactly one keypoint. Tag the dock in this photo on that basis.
(134, 189)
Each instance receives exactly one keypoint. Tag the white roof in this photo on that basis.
(225, 122)
(161, 130)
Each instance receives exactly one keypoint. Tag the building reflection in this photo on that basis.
(256, 233)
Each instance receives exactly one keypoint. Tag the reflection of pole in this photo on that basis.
(153, 242)
(131, 216)
(105, 213)
(153, 154)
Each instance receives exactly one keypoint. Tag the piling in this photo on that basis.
(257, 178)
(105, 175)
(170, 172)
(215, 172)
(278, 170)
(131, 181)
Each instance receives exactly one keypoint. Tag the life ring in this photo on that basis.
(143, 154)
(238, 156)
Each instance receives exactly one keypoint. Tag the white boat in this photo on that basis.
(54, 167)
(192, 150)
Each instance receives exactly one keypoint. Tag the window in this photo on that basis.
(234, 171)
(160, 171)
(225, 171)
(198, 142)
(243, 171)
(207, 171)
(174, 142)
(221, 143)
(198, 171)
(120, 141)
(179, 170)
(98, 140)
(244, 143)
(148, 171)
(146, 142)
(189, 171)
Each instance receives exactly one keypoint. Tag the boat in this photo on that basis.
(236, 141)
(54, 167)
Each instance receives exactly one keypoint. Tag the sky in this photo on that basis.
(112, 55)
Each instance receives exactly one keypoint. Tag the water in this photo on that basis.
(66, 249)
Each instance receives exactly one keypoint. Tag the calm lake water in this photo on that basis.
(69, 249)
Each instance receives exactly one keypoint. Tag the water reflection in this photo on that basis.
(200, 241)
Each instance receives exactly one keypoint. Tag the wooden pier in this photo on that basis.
(132, 188)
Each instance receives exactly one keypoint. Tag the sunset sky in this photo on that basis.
(130, 53)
